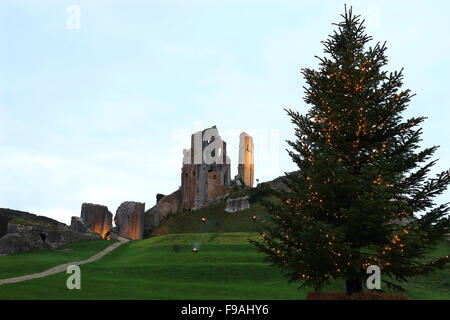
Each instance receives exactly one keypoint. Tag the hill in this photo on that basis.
(217, 220)
(25, 218)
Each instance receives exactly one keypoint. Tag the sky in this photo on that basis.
(99, 98)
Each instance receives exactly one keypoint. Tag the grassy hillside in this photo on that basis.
(217, 220)
(25, 218)
(163, 267)
(32, 262)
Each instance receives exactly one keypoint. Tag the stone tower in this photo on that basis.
(206, 169)
(246, 159)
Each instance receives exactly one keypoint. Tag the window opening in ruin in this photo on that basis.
(43, 236)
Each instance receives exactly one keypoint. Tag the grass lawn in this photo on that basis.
(20, 264)
(435, 285)
(163, 267)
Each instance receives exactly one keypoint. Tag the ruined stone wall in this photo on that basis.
(168, 204)
(238, 204)
(202, 186)
(98, 217)
(165, 206)
(215, 184)
(21, 238)
(130, 220)
(189, 182)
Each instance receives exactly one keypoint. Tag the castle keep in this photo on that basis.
(206, 169)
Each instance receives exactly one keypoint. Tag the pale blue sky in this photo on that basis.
(101, 113)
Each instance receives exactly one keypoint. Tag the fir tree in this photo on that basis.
(362, 195)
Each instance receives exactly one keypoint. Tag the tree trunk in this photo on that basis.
(353, 285)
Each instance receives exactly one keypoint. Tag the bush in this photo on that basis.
(259, 193)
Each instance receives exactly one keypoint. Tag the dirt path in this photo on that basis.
(63, 267)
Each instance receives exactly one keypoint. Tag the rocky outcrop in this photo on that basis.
(98, 218)
(238, 204)
(22, 238)
(130, 220)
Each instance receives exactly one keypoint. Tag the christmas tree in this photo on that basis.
(362, 195)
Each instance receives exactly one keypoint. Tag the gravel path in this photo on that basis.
(63, 267)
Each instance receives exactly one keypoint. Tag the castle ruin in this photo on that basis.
(205, 175)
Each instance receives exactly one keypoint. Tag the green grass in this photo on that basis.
(435, 285)
(163, 267)
(32, 262)
(227, 267)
